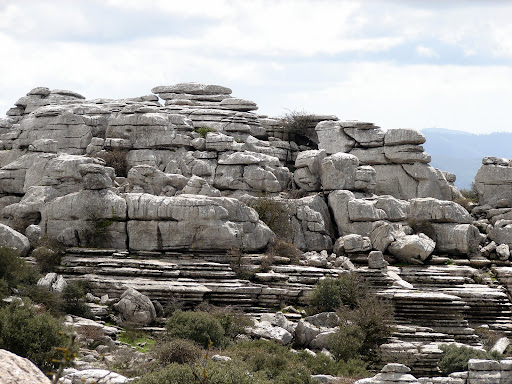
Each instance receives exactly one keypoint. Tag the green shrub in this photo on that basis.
(203, 131)
(51, 301)
(28, 333)
(46, 259)
(331, 294)
(232, 320)
(275, 214)
(4, 288)
(455, 359)
(367, 326)
(73, 295)
(324, 365)
(216, 373)
(15, 271)
(197, 326)
(179, 351)
(116, 159)
(272, 361)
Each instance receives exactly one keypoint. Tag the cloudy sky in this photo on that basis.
(399, 64)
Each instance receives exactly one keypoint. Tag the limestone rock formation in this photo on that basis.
(135, 308)
(16, 369)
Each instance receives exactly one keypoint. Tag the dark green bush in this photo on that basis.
(46, 259)
(203, 131)
(179, 351)
(15, 271)
(363, 329)
(74, 300)
(331, 294)
(271, 360)
(324, 365)
(455, 358)
(197, 326)
(51, 301)
(297, 122)
(275, 214)
(31, 334)
(233, 321)
(216, 373)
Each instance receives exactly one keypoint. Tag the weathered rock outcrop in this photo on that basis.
(493, 182)
(16, 369)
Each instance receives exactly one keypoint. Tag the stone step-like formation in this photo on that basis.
(192, 278)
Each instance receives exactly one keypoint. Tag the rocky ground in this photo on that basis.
(189, 195)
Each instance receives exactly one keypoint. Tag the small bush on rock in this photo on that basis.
(203, 131)
(329, 295)
(31, 334)
(324, 365)
(74, 296)
(455, 359)
(197, 326)
(15, 271)
(275, 214)
(211, 373)
(272, 361)
(46, 259)
(116, 159)
(179, 351)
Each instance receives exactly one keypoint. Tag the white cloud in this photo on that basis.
(426, 52)
(347, 58)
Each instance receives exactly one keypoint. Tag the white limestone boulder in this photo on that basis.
(135, 308)
(13, 239)
(412, 248)
(193, 222)
(16, 369)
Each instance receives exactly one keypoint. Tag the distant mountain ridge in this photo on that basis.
(461, 152)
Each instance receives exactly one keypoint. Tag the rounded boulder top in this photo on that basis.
(193, 89)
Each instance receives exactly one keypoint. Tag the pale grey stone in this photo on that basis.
(352, 243)
(364, 210)
(376, 260)
(395, 209)
(493, 183)
(92, 376)
(438, 211)
(193, 89)
(53, 282)
(266, 330)
(368, 137)
(135, 308)
(13, 239)
(16, 369)
(332, 138)
(33, 233)
(338, 171)
(503, 251)
(411, 248)
(456, 238)
(236, 104)
(403, 136)
(406, 154)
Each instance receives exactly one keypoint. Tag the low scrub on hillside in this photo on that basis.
(455, 358)
(14, 271)
(30, 333)
(366, 321)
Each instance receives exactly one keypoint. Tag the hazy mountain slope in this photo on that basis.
(462, 152)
